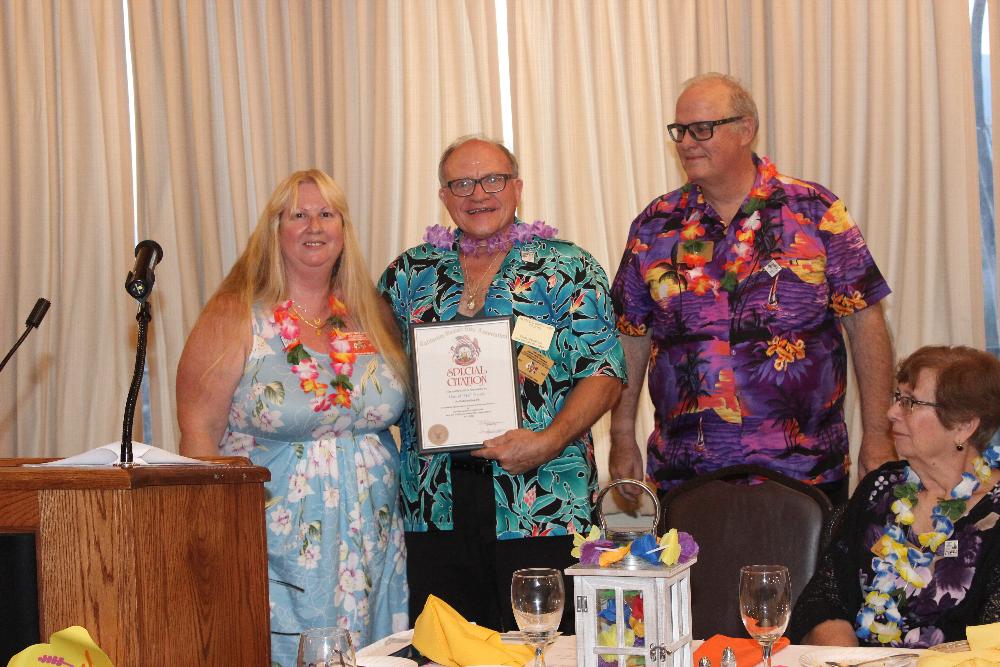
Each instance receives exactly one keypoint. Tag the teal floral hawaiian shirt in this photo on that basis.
(549, 280)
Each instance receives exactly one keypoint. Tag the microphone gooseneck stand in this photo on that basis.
(138, 283)
(142, 317)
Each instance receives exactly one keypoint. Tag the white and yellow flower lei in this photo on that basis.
(897, 558)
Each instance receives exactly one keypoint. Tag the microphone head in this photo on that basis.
(152, 245)
(37, 313)
(140, 279)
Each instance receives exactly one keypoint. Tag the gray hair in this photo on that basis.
(739, 97)
(461, 141)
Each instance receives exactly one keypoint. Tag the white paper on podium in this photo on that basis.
(142, 455)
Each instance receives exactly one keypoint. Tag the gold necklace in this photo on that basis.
(316, 323)
(470, 304)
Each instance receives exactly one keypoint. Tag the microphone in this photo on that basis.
(34, 319)
(140, 279)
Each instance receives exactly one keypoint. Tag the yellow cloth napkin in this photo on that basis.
(444, 636)
(984, 642)
(72, 646)
(983, 636)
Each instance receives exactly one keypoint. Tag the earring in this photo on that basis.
(960, 446)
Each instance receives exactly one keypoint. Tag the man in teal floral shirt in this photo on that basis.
(733, 291)
(472, 519)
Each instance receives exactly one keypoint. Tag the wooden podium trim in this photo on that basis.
(161, 564)
(15, 474)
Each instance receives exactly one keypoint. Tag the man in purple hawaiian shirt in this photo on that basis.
(732, 291)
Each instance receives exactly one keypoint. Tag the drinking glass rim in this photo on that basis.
(754, 569)
(537, 571)
(328, 630)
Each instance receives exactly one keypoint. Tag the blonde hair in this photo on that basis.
(258, 276)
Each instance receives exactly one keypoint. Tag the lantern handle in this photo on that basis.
(619, 482)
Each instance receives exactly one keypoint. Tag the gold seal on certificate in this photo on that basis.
(438, 434)
(465, 377)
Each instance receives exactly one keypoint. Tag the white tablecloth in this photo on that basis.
(562, 653)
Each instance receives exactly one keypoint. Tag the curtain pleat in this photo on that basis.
(65, 225)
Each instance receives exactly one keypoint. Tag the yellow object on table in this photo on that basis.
(444, 636)
(72, 646)
(983, 636)
(984, 644)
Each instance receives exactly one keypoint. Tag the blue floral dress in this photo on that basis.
(336, 555)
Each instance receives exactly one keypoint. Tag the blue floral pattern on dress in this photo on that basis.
(336, 555)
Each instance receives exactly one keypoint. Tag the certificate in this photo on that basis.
(465, 378)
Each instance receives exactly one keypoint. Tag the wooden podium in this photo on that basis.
(163, 565)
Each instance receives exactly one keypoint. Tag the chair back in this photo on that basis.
(777, 521)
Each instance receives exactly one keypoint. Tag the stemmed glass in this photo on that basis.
(765, 603)
(326, 647)
(537, 598)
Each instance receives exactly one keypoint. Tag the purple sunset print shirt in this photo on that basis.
(747, 363)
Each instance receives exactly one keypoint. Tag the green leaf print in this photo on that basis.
(275, 392)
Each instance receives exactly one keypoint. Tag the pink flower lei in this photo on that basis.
(516, 234)
(303, 364)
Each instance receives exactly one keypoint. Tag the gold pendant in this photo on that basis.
(471, 305)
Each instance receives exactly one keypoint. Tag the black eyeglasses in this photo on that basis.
(907, 402)
(463, 187)
(701, 130)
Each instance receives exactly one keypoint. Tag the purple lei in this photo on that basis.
(516, 234)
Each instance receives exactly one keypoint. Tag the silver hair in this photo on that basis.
(739, 97)
(461, 141)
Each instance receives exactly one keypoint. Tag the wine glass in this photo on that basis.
(765, 603)
(326, 647)
(537, 598)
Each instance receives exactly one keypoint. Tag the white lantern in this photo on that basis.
(633, 613)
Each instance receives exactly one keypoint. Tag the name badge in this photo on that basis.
(359, 342)
(533, 365)
(950, 549)
(772, 268)
(532, 332)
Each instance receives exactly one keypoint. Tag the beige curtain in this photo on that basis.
(872, 99)
(232, 96)
(65, 200)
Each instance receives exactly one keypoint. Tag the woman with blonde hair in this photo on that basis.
(296, 363)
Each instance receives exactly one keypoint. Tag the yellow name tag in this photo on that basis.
(532, 332)
(533, 365)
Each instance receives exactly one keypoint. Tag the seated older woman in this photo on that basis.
(916, 557)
